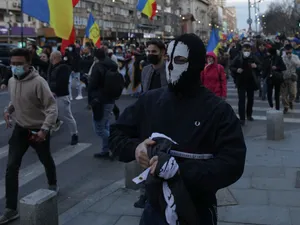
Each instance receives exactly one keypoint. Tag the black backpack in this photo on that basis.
(113, 84)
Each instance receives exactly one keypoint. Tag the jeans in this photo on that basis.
(18, 145)
(288, 92)
(75, 76)
(65, 113)
(242, 102)
(208, 216)
(271, 86)
(101, 127)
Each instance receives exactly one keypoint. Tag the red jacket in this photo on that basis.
(213, 77)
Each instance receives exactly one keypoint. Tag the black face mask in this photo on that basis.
(154, 59)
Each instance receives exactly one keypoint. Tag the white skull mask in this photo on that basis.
(177, 63)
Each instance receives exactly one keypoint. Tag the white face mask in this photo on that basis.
(173, 70)
(210, 61)
(70, 49)
(246, 54)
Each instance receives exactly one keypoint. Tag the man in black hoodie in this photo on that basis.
(201, 124)
(101, 104)
(58, 79)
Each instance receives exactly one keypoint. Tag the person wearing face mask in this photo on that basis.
(154, 75)
(274, 77)
(34, 110)
(209, 153)
(246, 69)
(213, 76)
(290, 77)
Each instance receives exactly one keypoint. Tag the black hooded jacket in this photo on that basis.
(198, 121)
(96, 82)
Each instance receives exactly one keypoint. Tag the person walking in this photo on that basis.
(59, 75)
(34, 110)
(213, 76)
(245, 69)
(274, 77)
(289, 85)
(101, 103)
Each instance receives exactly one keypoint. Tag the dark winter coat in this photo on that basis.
(202, 123)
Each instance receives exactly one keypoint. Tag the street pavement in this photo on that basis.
(92, 190)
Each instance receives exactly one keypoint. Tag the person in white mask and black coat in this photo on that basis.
(210, 150)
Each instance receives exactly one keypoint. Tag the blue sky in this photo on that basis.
(242, 10)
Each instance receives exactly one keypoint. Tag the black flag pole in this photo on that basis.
(22, 25)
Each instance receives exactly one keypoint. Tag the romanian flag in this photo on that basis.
(230, 37)
(57, 13)
(92, 31)
(214, 41)
(147, 7)
(66, 42)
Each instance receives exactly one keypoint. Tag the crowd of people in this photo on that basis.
(255, 64)
(187, 148)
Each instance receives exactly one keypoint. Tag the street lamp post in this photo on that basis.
(249, 13)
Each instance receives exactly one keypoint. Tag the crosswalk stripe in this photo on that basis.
(285, 120)
(264, 109)
(2, 122)
(36, 169)
(3, 152)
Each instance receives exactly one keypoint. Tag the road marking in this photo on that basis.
(2, 122)
(4, 93)
(264, 109)
(36, 169)
(3, 152)
(285, 120)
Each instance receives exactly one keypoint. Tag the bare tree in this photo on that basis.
(280, 17)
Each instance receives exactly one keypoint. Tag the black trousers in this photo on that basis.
(18, 145)
(270, 86)
(242, 92)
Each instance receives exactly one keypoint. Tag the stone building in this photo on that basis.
(10, 22)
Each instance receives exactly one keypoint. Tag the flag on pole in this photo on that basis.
(66, 42)
(57, 13)
(147, 7)
(92, 31)
(214, 41)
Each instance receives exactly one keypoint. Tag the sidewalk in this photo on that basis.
(267, 194)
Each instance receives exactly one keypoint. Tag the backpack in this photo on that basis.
(113, 84)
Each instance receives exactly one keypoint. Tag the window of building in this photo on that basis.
(18, 17)
(29, 18)
(90, 5)
(1, 17)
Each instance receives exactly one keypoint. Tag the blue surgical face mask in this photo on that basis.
(17, 70)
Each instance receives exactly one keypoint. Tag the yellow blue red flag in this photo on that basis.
(57, 13)
(214, 41)
(92, 31)
(147, 7)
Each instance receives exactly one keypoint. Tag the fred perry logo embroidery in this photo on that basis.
(197, 123)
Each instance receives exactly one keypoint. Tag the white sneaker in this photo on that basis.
(71, 98)
(79, 97)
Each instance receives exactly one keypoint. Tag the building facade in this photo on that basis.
(230, 18)
(10, 22)
(196, 17)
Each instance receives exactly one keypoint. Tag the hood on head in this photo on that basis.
(213, 55)
(186, 59)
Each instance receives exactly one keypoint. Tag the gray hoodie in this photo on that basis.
(291, 65)
(32, 104)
